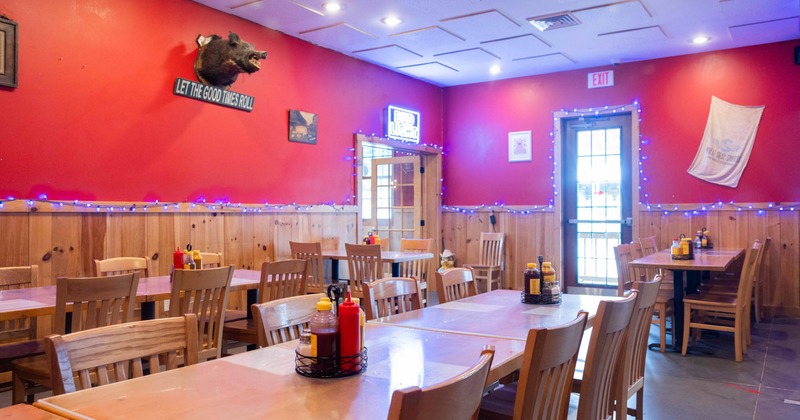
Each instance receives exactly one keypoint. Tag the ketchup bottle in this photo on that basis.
(349, 336)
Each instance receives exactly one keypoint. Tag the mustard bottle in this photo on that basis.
(198, 261)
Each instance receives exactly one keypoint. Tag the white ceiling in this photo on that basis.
(454, 42)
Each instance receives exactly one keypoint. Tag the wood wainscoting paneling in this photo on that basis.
(529, 234)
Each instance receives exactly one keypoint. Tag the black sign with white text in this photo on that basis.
(212, 94)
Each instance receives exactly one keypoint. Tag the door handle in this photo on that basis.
(628, 221)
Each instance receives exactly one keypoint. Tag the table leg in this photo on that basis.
(148, 310)
(677, 309)
(334, 271)
(252, 297)
(395, 269)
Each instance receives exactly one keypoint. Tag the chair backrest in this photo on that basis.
(752, 261)
(605, 346)
(455, 284)
(417, 269)
(622, 254)
(18, 278)
(365, 264)
(282, 279)
(87, 354)
(95, 301)
(392, 295)
(283, 320)
(205, 294)
(649, 245)
(312, 253)
(491, 252)
(630, 368)
(122, 265)
(636, 250)
(212, 259)
(548, 365)
(457, 398)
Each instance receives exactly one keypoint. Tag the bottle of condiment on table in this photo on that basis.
(324, 337)
(698, 240)
(533, 280)
(548, 278)
(198, 261)
(177, 259)
(349, 336)
(675, 250)
(704, 241)
(362, 319)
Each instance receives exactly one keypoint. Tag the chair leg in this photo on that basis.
(662, 327)
(737, 338)
(640, 404)
(757, 301)
(687, 318)
(17, 390)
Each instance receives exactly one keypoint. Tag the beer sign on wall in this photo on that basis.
(402, 124)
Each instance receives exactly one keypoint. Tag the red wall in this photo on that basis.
(675, 96)
(94, 116)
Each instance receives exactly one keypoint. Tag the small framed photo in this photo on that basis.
(519, 146)
(8, 52)
(302, 127)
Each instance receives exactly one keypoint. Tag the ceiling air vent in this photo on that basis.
(554, 21)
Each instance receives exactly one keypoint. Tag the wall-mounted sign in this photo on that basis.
(601, 79)
(213, 94)
(402, 124)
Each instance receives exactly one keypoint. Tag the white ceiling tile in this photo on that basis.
(339, 36)
(432, 39)
(430, 71)
(614, 16)
(389, 55)
(517, 47)
(753, 33)
(466, 58)
(482, 26)
(636, 37)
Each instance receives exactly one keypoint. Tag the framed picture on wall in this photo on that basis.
(8, 52)
(302, 127)
(519, 146)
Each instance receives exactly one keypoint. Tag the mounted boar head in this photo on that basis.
(220, 61)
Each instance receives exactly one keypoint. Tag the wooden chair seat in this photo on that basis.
(18, 336)
(234, 315)
(243, 331)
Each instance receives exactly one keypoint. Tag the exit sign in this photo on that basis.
(601, 79)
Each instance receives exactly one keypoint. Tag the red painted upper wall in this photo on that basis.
(675, 96)
(94, 116)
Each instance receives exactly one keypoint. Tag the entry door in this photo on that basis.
(596, 196)
(396, 199)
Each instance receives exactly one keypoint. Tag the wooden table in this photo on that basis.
(392, 257)
(26, 412)
(38, 301)
(498, 313)
(262, 383)
(686, 274)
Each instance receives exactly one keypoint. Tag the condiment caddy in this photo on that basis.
(333, 346)
(541, 287)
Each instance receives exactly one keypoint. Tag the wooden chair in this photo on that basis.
(279, 280)
(417, 269)
(623, 255)
(631, 365)
(87, 354)
(18, 336)
(123, 265)
(596, 388)
(389, 296)
(365, 264)
(212, 259)
(709, 307)
(489, 269)
(455, 284)
(311, 252)
(663, 308)
(95, 302)
(457, 398)
(205, 294)
(283, 320)
(545, 382)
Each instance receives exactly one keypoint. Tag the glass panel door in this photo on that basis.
(597, 202)
(396, 199)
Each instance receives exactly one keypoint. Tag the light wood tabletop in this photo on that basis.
(386, 256)
(704, 260)
(38, 301)
(263, 384)
(26, 412)
(498, 313)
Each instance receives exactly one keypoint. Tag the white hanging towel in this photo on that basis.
(727, 142)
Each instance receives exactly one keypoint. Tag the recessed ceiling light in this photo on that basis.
(495, 69)
(700, 39)
(392, 20)
(332, 6)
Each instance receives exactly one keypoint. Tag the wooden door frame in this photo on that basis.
(431, 160)
(558, 139)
